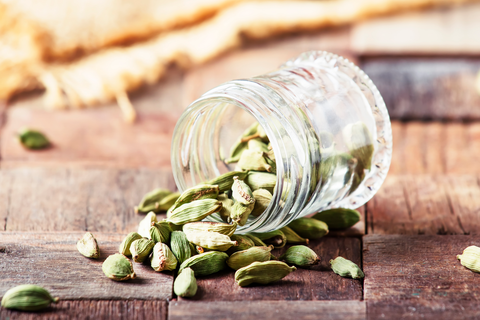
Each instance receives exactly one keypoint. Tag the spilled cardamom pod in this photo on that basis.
(262, 200)
(206, 263)
(180, 246)
(244, 201)
(185, 284)
(88, 246)
(163, 258)
(33, 139)
(262, 272)
(261, 180)
(160, 231)
(157, 200)
(277, 238)
(194, 211)
(27, 297)
(225, 181)
(199, 192)
(240, 212)
(292, 236)
(223, 228)
(300, 256)
(124, 247)
(309, 228)
(256, 240)
(141, 249)
(243, 258)
(117, 267)
(227, 205)
(339, 218)
(243, 241)
(470, 258)
(146, 223)
(346, 268)
(210, 240)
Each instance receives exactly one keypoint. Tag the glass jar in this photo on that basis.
(327, 125)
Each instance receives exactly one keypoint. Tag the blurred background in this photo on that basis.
(106, 81)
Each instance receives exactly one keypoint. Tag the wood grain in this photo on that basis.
(419, 277)
(278, 310)
(318, 283)
(94, 309)
(52, 261)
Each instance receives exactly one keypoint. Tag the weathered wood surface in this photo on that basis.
(95, 309)
(52, 261)
(413, 277)
(275, 310)
(317, 283)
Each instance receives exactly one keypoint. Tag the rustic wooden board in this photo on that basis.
(52, 261)
(318, 283)
(278, 310)
(95, 309)
(419, 277)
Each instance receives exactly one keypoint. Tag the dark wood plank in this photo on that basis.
(95, 309)
(427, 88)
(419, 277)
(52, 261)
(278, 310)
(61, 199)
(318, 283)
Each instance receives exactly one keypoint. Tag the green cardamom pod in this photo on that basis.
(256, 240)
(258, 145)
(141, 249)
(227, 205)
(292, 236)
(309, 228)
(223, 228)
(33, 139)
(243, 241)
(300, 256)
(346, 268)
(225, 181)
(200, 192)
(277, 238)
(160, 232)
(470, 258)
(185, 284)
(339, 218)
(180, 246)
(124, 247)
(146, 223)
(88, 246)
(243, 258)
(262, 200)
(239, 146)
(194, 211)
(27, 297)
(206, 263)
(117, 267)
(262, 272)
(157, 200)
(163, 258)
(240, 212)
(210, 240)
(253, 160)
(261, 180)
(241, 192)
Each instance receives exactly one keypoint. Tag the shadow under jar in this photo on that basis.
(327, 125)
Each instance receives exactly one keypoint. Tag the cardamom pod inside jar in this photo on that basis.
(319, 124)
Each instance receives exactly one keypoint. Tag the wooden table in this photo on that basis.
(426, 213)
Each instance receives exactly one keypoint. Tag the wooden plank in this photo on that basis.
(452, 30)
(75, 199)
(95, 309)
(419, 277)
(318, 283)
(427, 88)
(52, 261)
(278, 310)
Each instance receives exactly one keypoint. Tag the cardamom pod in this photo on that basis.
(261, 180)
(117, 267)
(255, 240)
(157, 200)
(223, 228)
(88, 246)
(199, 192)
(253, 160)
(141, 249)
(27, 297)
(241, 192)
(309, 228)
(339, 218)
(262, 272)
(470, 258)
(225, 181)
(124, 247)
(180, 246)
(239, 146)
(346, 268)
(240, 212)
(227, 205)
(243, 241)
(277, 238)
(300, 256)
(262, 200)
(292, 236)
(210, 240)
(243, 258)
(146, 223)
(185, 284)
(33, 139)
(194, 211)
(205, 263)
(163, 258)
(258, 145)
(160, 231)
